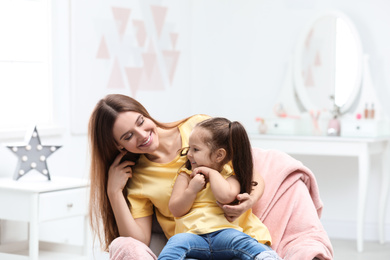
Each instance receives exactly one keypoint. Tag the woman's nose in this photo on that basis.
(140, 133)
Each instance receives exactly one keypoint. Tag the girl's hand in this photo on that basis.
(232, 212)
(202, 170)
(197, 183)
(118, 175)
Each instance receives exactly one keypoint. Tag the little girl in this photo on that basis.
(207, 181)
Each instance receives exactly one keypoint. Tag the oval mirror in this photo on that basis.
(328, 63)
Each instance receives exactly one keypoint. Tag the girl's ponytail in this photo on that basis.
(240, 149)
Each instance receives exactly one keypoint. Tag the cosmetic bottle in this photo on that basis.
(334, 127)
(262, 127)
(372, 111)
(334, 123)
(366, 112)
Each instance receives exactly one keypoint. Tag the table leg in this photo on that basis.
(384, 192)
(86, 236)
(34, 229)
(364, 163)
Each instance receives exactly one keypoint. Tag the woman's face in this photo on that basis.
(135, 133)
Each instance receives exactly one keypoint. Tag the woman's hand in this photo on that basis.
(245, 200)
(118, 175)
(232, 212)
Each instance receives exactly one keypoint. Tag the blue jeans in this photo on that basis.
(224, 244)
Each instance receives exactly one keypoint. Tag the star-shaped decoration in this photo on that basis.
(32, 156)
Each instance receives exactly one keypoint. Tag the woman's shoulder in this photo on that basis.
(187, 125)
(193, 120)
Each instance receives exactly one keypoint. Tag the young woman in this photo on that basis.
(134, 160)
(201, 227)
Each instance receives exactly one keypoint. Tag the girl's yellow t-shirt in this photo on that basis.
(206, 216)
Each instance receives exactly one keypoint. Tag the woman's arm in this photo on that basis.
(184, 193)
(246, 201)
(140, 228)
(224, 190)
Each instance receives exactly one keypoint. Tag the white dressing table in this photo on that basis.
(362, 148)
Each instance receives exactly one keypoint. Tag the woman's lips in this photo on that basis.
(147, 141)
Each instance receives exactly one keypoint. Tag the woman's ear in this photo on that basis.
(120, 148)
(220, 155)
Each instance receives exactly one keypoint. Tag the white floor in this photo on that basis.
(346, 250)
(343, 250)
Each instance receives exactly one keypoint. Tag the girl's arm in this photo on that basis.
(139, 228)
(246, 201)
(184, 193)
(224, 190)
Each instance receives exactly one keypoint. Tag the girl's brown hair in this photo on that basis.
(232, 137)
(103, 152)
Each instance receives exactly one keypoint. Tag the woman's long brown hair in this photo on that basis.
(103, 152)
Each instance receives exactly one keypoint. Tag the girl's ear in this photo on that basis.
(220, 155)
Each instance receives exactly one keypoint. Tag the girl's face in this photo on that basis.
(135, 133)
(199, 153)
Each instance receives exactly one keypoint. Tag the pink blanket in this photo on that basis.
(291, 207)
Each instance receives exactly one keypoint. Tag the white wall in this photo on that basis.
(237, 55)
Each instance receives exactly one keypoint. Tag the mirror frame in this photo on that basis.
(297, 63)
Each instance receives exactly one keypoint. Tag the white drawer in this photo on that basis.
(288, 126)
(63, 204)
(364, 128)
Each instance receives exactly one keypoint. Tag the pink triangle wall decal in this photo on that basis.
(141, 32)
(171, 58)
(174, 37)
(121, 16)
(102, 52)
(133, 77)
(116, 78)
(159, 14)
(149, 61)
